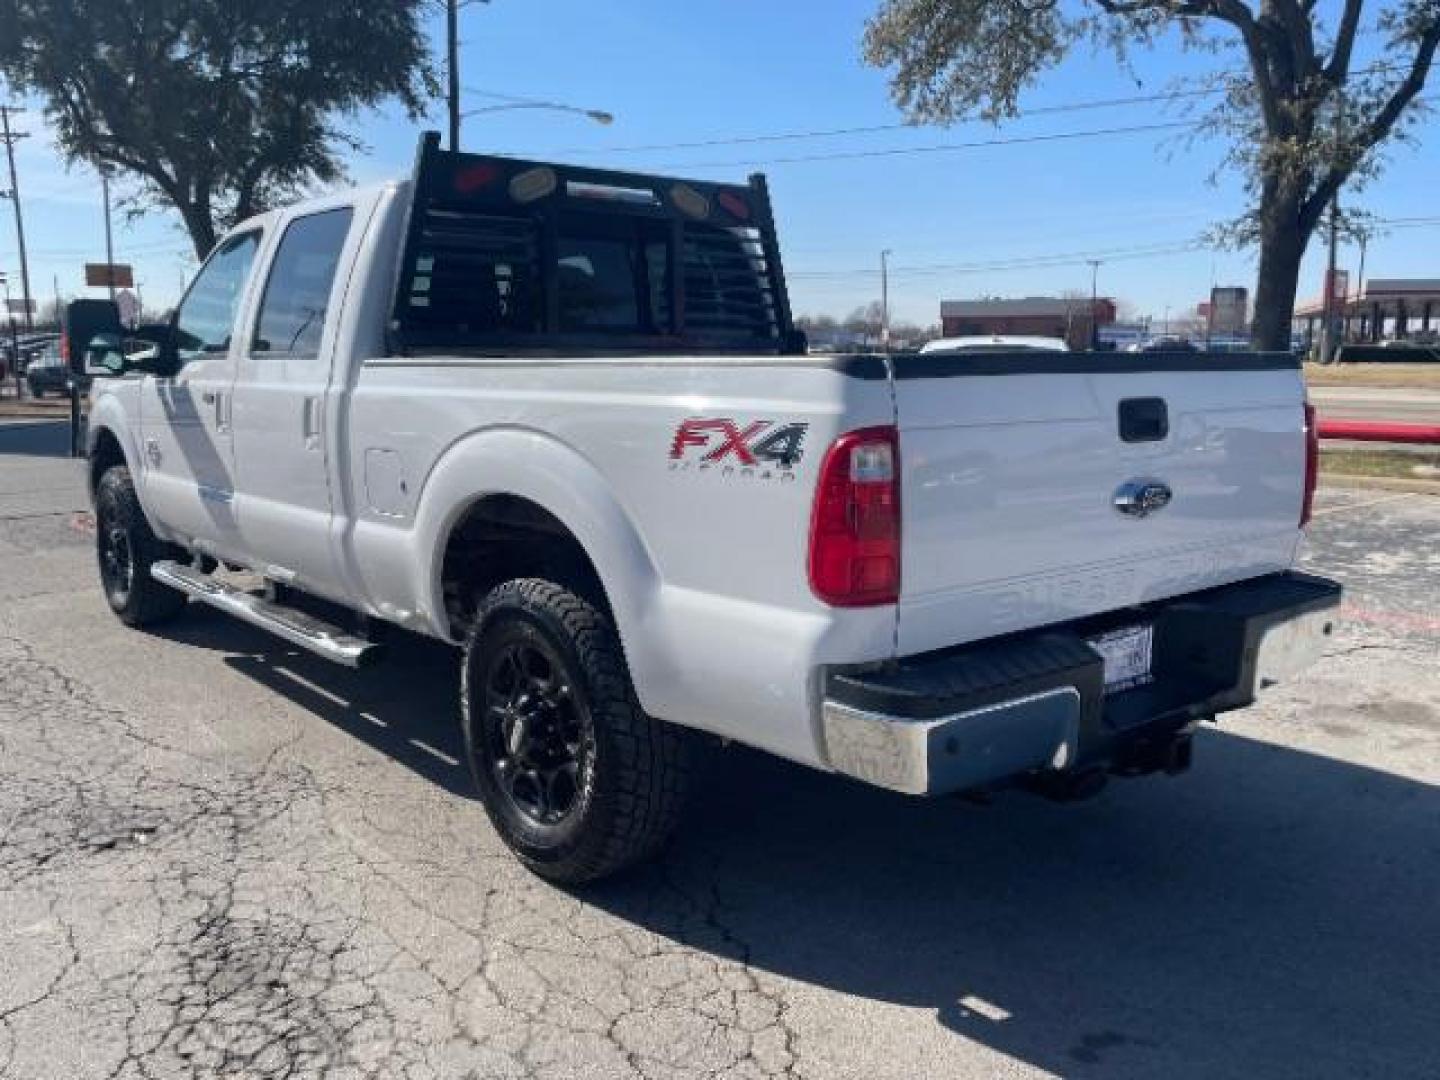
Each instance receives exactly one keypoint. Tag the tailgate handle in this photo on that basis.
(1144, 419)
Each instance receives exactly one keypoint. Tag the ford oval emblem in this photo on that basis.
(1141, 498)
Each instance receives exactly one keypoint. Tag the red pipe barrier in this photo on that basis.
(1380, 431)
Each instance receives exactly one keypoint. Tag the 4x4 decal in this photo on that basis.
(766, 449)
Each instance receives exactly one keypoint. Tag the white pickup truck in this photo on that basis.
(559, 417)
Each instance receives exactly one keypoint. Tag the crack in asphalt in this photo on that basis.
(182, 910)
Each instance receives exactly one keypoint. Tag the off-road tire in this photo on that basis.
(638, 774)
(143, 601)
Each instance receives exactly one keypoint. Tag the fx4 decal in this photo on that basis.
(766, 449)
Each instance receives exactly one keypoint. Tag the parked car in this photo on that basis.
(49, 374)
(1170, 344)
(993, 343)
(559, 418)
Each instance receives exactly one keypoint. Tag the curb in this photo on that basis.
(1380, 483)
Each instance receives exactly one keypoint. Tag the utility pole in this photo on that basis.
(109, 246)
(10, 139)
(1094, 302)
(885, 299)
(1327, 335)
(452, 68)
(1360, 282)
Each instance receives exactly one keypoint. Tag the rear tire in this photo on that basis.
(126, 548)
(578, 781)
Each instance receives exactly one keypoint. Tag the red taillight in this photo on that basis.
(1312, 464)
(65, 348)
(855, 530)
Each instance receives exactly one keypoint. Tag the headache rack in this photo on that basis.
(506, 256)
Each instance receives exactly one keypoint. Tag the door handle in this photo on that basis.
(216, 399)
(310, 422)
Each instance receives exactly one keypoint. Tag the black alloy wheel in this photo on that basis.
(117, 559)
(538, 735)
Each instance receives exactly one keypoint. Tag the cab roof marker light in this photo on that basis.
(690, 202)
(734, 205)
(474, 177)
(533, 184)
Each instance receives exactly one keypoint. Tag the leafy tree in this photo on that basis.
(1302, 121)
(219, 108)
(865, 319)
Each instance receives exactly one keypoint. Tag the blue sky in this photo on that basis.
(719, 69)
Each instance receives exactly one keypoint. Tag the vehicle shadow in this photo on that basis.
(1273, 913)
(406, 707)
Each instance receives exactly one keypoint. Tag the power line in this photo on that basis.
(871, 129)
(1022, 262)
(941, 148)
(1047, 262)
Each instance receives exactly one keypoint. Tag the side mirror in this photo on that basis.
(162, 358)
(106, 351)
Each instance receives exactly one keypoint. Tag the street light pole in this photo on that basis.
(14, 339)
(1094, 300)
(600, 116)
(885, 299)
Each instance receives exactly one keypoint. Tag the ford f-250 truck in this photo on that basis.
(559, 417)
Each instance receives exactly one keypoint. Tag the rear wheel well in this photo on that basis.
(105, 456)
(503, 537)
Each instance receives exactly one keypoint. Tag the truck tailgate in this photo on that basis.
(1012, 464)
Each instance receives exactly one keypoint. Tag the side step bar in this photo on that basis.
(293, 626)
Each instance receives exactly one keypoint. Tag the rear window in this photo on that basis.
(478, 275)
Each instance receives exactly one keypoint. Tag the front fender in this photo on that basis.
(555, 476)
(107, 416)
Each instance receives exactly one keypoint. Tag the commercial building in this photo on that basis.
(1074, 319)
(1381, 309)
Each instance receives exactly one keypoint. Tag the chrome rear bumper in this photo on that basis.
(1035, 704)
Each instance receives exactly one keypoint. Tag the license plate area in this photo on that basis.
(1127, 654)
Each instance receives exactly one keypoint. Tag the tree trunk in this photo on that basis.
(1282, 246)
(200, 225)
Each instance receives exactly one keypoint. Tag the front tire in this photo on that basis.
(578, 781)
(126, 548)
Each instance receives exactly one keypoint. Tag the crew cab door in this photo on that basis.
(280, 415)
(188, 471)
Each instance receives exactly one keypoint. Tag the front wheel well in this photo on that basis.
(106, 454)
(503, 537)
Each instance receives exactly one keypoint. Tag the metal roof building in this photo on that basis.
(1383, 307)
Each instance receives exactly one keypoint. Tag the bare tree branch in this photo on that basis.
(1377, 129)
(1339, 66)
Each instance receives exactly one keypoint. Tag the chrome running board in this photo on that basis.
(286, 623)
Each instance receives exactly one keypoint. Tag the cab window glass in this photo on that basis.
(206, 318)
(292, 312)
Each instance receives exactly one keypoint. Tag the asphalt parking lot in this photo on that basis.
(221, 857)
